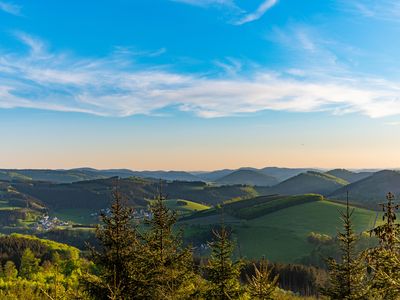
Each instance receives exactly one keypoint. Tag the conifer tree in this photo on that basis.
(347, 278)
(223, 274)
(384, 260)
(118, 276)
(261, 285)
(169, 265)
(29, 264)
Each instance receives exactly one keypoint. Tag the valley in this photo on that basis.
(272, 218)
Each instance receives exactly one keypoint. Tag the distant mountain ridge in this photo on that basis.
(81, 174)
(283, 174)
(349, 175)
(248, 177)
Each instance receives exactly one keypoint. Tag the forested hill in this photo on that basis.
(371, 190)
(249, 177)
(310, 182)
(349, 175)
(96, 194)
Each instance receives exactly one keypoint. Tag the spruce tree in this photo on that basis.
(222, 273)
(384, 260)
(262, 285)
(169, 265)
(118, 276)
(347, 278)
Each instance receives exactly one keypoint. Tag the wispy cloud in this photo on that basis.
(386, 10)
(205, 3)
(113, 87)
(10, 8)
(261, 10)
(241, 16)
(230, 66)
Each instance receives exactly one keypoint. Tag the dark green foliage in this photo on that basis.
(117, 254)
(95, 194)
(169, 266)
(262, 285)
(303, 279)
(222, 273)
(384, 260)
(73, 237)
(257, 207)
(347, 278)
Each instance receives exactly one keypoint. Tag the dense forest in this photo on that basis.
(131, 259)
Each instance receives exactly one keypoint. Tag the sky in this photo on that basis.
(199, 84)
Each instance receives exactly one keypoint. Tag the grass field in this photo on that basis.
(185, 207)
(281, 236)
(79, 216)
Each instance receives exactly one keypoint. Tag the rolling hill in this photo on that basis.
(96, 194)
(276, 226)
(283, 174)
(309, 182)
(371, 190)
(248, 177)
(349, 175)
(166, 175)
(213, 175)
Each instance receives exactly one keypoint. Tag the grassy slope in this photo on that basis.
(187, 208)
(282, 235)
(79, 216)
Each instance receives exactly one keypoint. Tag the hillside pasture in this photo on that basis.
(281, 236)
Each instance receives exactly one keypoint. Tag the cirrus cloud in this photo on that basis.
(110, 87)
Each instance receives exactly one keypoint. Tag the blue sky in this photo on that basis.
(199, 84)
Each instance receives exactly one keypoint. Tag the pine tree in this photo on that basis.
(117, 276)
(222, 273)
(29, 264)
(262, 285)
(347, 278)
(169, 265)
(384, 260)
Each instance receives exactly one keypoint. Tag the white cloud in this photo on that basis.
(386, 10)
(10, 8)
(241, 16)
(205, 3)
(113, 87)
(261, 10)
